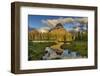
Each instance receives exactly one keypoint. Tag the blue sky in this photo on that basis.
(35, 21)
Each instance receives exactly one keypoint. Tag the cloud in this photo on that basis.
(50, 23)
(68, 20)
(82, 20)
(43, 29)
(53, 22)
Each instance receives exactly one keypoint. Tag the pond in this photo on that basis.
(66, 54)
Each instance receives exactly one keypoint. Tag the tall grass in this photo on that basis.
(36, 50)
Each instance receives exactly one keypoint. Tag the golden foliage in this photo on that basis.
(56, 34)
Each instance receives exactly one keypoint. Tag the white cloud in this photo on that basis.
(44, 29)
(82, 20)
(52, 22)
(68, 20)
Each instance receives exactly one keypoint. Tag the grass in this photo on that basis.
(36, 50)
(78, 46)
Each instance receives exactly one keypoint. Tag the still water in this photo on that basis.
(66, 54)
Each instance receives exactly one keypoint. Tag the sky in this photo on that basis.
(47, 21)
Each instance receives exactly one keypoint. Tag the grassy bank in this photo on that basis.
(36, 50)
(78, 46)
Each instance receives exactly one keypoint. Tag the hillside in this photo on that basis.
(58, 33)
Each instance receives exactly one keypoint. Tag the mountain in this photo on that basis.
(58, 26)
(60, 33)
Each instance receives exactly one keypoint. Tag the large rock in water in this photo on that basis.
(66, 54)
(50, 54)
